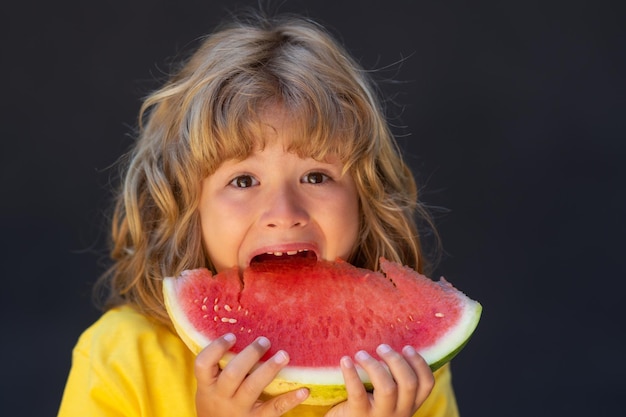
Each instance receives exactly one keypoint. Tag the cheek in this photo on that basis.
(218, 232)
(208, 232)
(347, 225)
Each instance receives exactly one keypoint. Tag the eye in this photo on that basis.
(244, 181)
(315, 178)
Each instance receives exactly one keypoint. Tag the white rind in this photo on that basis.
(457, 335)
(195, 340)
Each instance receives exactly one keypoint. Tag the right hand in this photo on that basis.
(235, 390)
(399, 389)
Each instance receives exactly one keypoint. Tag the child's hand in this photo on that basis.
(397, 394)
(235, 390)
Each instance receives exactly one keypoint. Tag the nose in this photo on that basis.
(285, 209)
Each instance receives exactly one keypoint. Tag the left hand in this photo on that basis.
(398, 392)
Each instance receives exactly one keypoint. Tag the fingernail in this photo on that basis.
(229, 337)
(382, 349)
(263, 341)
(302, 393)
(346, 362)
(281, 357)
(362, 355)
(409, 351)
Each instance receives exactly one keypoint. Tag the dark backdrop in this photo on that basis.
(511, 114)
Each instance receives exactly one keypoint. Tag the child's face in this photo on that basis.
(274, 201)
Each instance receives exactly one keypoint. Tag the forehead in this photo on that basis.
(274, 123)
(303, 129)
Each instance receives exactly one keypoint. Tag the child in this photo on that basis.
(268, 141)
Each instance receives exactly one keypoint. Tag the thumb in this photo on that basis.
(279, 405)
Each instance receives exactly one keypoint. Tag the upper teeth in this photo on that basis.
(289, 252)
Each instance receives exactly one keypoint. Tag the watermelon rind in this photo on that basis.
(194, 340)
(456, 338)
(326, 384)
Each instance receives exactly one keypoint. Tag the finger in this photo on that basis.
(235, 372)
(405, 378)
(256, 382)
(358, 398)
(385, 388)
(281, 404)
(425, 377)
(206, 365)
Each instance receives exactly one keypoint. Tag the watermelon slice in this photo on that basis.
(319, 311)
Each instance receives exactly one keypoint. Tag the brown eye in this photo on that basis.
(244, 181)
(315, 178)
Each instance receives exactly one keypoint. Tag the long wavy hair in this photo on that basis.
(208, 111)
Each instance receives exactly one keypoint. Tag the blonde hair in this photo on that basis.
(209, 111)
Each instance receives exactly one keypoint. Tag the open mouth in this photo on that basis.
(287, 255)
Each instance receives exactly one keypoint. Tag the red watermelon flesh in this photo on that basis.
(319, 311)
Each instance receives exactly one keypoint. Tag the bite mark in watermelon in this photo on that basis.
(318, 312)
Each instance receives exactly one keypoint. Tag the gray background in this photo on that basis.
(510, 112)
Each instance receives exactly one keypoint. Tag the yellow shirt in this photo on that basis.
(126, 365)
